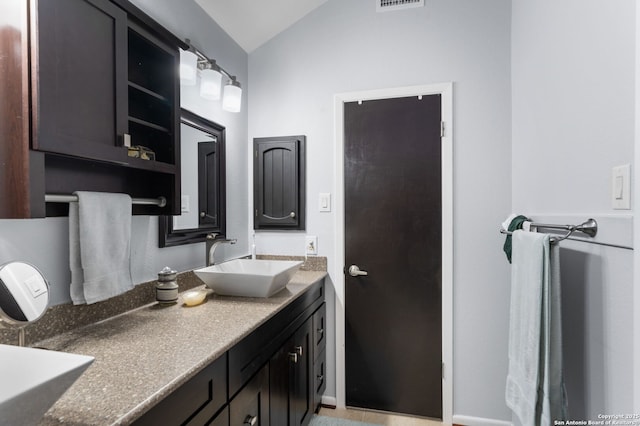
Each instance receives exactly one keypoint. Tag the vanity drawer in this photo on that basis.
(319, 379)
(195, 402)
(319, 330)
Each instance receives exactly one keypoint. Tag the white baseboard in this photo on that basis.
(330, 401)
(478, 421)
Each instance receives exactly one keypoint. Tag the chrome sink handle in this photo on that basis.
(354, 271)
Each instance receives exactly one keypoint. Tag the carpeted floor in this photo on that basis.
(332, 421)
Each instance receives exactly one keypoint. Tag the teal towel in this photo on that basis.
(516, 223)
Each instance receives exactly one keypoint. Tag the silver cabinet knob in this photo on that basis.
(299, 350)
(251, 420)
(202, 214)
(354, 271)
(293, 357)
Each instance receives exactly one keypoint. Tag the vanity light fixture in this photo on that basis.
(211, 78)
(210, 81)
(232, 97)
(188, 66)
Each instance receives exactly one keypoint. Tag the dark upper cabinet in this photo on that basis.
(80, 93)
(279, 183)
(101, 75)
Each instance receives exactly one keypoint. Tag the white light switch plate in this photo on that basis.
(184, 204)
(621, 187)
(324, 202)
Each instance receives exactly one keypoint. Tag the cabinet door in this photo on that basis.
(279, 182)
(291, 380)
(251, 405)
(80, 78)
(302, 376)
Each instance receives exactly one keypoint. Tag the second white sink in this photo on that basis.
(33, 380)
(249, 277)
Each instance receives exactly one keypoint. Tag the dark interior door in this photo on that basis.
(393, 227)
(208, 183)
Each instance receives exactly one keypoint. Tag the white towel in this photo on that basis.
(535, 389)
(99, 246)
(507, 221)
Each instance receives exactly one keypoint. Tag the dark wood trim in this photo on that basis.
(14, 110)
(142, 17)
(168, 236)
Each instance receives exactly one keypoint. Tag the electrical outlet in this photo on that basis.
(311, 245)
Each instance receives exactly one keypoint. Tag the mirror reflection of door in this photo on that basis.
(208, 182)
(191, 138)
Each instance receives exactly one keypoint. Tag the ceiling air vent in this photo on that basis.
(389, 5)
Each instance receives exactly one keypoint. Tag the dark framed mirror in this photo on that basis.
(203, 194)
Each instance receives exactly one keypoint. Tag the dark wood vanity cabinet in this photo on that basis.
(97, 75)
(271, 377)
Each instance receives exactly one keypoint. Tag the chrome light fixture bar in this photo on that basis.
(211, 77)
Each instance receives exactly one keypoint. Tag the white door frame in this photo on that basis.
(446, 90)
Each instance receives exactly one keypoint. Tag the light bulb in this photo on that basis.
(232, 97)
(188, 67)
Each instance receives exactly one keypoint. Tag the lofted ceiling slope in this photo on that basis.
(253, 22)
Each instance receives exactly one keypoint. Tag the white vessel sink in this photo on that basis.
(32, 380)
(248, 277)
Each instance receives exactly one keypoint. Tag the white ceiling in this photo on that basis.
(252, 22)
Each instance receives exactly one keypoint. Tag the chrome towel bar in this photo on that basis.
(58, 198)
(589, 227)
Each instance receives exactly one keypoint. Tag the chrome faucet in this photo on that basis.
(212, 244)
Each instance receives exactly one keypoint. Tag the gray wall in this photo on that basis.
(345, 46)
(573, 74)
(45, 242)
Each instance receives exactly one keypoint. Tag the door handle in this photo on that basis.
(354, 271)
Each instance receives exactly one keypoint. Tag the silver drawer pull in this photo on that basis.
(251, 420)
(293, 357)
(299, 350)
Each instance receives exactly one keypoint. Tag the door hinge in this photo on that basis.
(442, 129)
(442, 369)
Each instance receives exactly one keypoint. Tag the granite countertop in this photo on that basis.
(143, 355)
